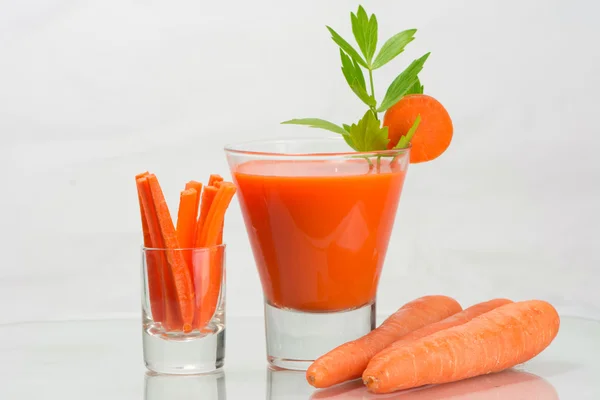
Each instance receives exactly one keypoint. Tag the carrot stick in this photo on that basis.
(186, 225)
(214, 178)
(153, 266)
(208, 196)
(186, 219)
(453, 320)
(349, 360)
(216, 181)
(198, 186)
(208, 289)
(170, 313)
(211, 229)
(184, 288)
(497, 340)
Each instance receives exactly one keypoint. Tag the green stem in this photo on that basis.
(374, 109)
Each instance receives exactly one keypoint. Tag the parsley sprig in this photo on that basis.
(368, 134)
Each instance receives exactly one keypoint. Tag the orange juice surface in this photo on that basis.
(319, 230)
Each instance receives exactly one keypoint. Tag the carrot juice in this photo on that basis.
(319, 229)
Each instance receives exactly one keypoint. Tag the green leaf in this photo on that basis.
(317, 123)
(393, 46)
(368, 135)
(365, 32)
(355, 78)
(417, 88)
(402, 83)
(405, 140)
(348, 49)
(346, 127)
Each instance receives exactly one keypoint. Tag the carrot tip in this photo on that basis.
(370, 381)
(311, 379)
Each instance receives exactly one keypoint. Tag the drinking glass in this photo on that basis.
(183, 313)
(319, 219)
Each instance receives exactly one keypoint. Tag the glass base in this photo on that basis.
(295, 339)
(184, 355)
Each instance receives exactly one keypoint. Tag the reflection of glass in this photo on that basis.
(172, 345)
(185, 387)
(287, 385)
(319, 220)
(507, 385)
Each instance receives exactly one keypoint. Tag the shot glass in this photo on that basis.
(183, 309)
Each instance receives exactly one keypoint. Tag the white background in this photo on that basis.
(93, 92)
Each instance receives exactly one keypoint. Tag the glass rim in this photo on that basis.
(206, 248)
(236, 148)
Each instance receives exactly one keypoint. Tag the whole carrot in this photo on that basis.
(453, 320)
(349, 360)
(492, 342)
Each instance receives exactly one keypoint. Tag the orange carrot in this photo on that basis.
(186, 225)
(453, 320)
(209, 288)
(184, 288)
(186, 219)
(208, 196)
(349, 360)
(153, 266)
(211, 229)
(213, 179)
(169, 302)
(497, 340)
(434, 133)
(198, 186)
(216, 181)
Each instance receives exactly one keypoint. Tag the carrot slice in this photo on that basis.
(198, 186)
(182, 280)
(434, 134)
(497, 340)
(349, 360)
(454, 320)
(153, 263)
(208, 196)
(208, 288)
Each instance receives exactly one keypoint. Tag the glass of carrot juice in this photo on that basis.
(319, 219)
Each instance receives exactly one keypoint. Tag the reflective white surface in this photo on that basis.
(103, 360)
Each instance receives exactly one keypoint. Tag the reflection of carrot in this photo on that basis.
(509, 384)
(453, 320)
(434, 134)
(207, 296)
(181, 277)
(349, 360)
(198, 186)
(497, 340)
(153, 266)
